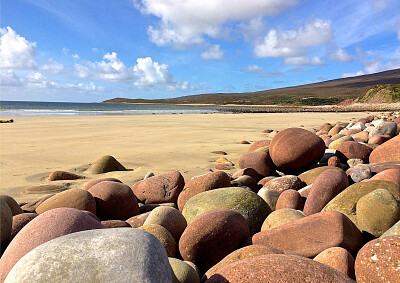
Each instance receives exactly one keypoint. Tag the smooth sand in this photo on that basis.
(32, 147)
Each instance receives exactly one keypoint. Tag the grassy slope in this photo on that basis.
(328, 92)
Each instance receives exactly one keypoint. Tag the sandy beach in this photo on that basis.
(32, 147)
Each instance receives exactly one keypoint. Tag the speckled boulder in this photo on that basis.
(108, 255)
(290, 199)
(259, 161)
(386, 152)
(74, 198)
(45, 227)
(213, 235)
(392, 175)
(201, 184)
(96, 181)
(163, 236)
(311, 235)
(19, 221)
(280, 184)
(339, 259)
(6, 224)
(378, 260)
(294, 148)
(182, 272)
(63, 175)
(377, 211)
(114, 201)
(105, 164)
(252, 207)
(168, 217)
(12, 204)
(336, 143)
(240, 254)
(281, 217)
(346, 201)
(359, 173)
(270, 196)
(138, 220)
(278, 268)
(326, 186)
(309, 176)
(114, 224)
(388, 128)
(161, 188)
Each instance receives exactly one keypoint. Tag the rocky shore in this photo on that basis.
(302, 206)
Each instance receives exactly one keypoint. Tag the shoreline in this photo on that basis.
(32, 147)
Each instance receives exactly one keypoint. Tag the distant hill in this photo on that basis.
(322, 93)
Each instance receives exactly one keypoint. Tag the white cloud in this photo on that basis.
(294, 43)
(75, 56)
(303, 61)
(347, 75)
(15, 51)
(52, 67)
(256, 69)
(340, 55)
(378, 4)
(213, 53)
(185, 22)
(375, 64)
(148, 73)
(8, 78)
(253, 28)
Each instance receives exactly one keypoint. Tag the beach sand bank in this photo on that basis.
(32, 147)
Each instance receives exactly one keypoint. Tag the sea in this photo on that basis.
(9, 109)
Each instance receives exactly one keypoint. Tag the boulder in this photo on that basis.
(346, 201)
(168, 217)
(96, 181)
(352, 149)
(278, 268)
(379, 139)
(19, 221)
(392, 175)
(63, 175)
(31, 206)
(259, 161)
(115, 224)
(45, 189)
(361, 137)
(394, 230)
(163, 236)
(105, 164)
(114, 201)
(213, 235)
(388, 128)
(336, 143)
(270, 196)
(246, 181)
(295, 148)
(386, 152)
(74, 198)
(45, 227)
(161, 188)
(108, 255)
(6, 224)
(196, 185)
(378, 260)
(182, 272)
(280, 217)
(359, 173)
(252, 207)
(377, 211)
(309, 176)
(259, 144)
(339, 259)
(12, 204)
(248, 172)
(288, 182)
(138, 220)
(290, 199)
(334, 161)
(311, 235)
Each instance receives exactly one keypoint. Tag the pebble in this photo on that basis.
(352, 149)
(96, 181)
(270, 196)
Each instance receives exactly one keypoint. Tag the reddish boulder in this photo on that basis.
(326, 186)
(259, 144)
(265, 180)
(311, 235)
(386, 152)
(379, 260)
(114, 201)
(45, 227)
(259, 161)
(361, 137)
(201, 184)
(96, 181)
(63, 175)
(278, 268)
(213, 235)
(294, 148)
(161, 188)
(246, 181)
(392, 175)
(379, 139)
(114, 224)
(138, 220)
(19, 221)
(352, 150)
(290, 199)
(31, 206)
(280, 184)
(248, 172)
(339, 259)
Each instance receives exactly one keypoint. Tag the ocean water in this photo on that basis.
(30, 108)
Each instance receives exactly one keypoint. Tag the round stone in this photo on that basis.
(290, 199)
(168, 217)
(352, 149)
(108, 255)
(280, 184)
(259, 161)
(183, 272)
(96, 181)
(19, 221)
(6, 224)
(386, 152)
(281, 217)
(12, 204)
(163, 236)
(339, 259)
(270, 196)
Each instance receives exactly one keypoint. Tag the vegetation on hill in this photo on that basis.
(381, 94)
(323, 93)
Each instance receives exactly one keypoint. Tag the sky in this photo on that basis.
(93, 50)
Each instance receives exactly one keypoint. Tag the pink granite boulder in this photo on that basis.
(114, 201)
(392, 175)
(288, 182)
(290, 199)
(339, 259)
(161, 188)
(19, 221)
(379, 139)
(96, 181)
(352, 150)
(386, 152)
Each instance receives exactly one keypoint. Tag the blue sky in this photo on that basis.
(89, 51)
